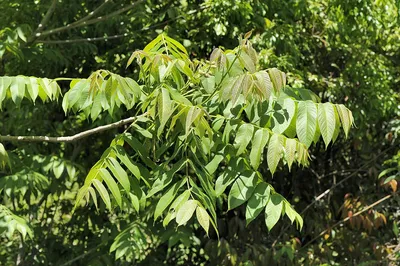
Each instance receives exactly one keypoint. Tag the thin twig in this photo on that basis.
(326, 192)
(348, 218)
(44, 21)
(73, 138)
(94, 12)
(84, 39)
(105, 38)
(89, 22)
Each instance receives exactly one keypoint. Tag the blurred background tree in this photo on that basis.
(345, 51)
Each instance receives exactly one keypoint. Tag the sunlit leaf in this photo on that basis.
(186, 212)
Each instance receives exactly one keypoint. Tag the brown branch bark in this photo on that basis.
(73, 138)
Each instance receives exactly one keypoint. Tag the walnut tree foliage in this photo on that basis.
(201, 130)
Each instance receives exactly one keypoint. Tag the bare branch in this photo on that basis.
(348, 218)
(94, 12)
(105, 38)
(73, 138)
(89, 22)
(44, 21)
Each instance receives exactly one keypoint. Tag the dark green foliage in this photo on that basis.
(200, 136)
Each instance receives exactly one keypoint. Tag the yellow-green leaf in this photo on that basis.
(186, 212)
(203, 218)
(306, 123)
(273, 210)
(275, 150)
(259, 141)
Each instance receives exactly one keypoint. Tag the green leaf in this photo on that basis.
(242, 189)
(167, 198)
(290, 151)
(306, 123)
(243, 137)
(9, 222)
(112, 185)
(275, 150)
(96, 107)
(257, 201)
(186, 212)
(4, 159)
(103, 192)
(287, 114)
(58, 168)
(180, 200)
(139, 171)
(212, 166)
(193, 114)
(4, 84)
(176, 44)
(168, 218)
(326, 121)
(273, 210)
(238, 89)
(134, 201)
(229, 84)
(94, 196)
(203, 218)
(209, 84)
(21, 34)
(290, 212)
(32, 88)
(165, 109)
(345, 117)
(152, 46)
(263, 84)
(383, 173)
(119, 173)
(17, 90)
(299, 221)
(166, 177)
(81, 194)
(74, 94)
(140, 149)
(224, 180)
(259, 141)
(178, 97)
(247, 62)
(278, 78)
(46, 86)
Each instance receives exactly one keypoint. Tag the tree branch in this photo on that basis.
(105, 38)
(73, 138)
(88, 22)
(84, 39)
(91, 14)
(348, 218)
(44, 21)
